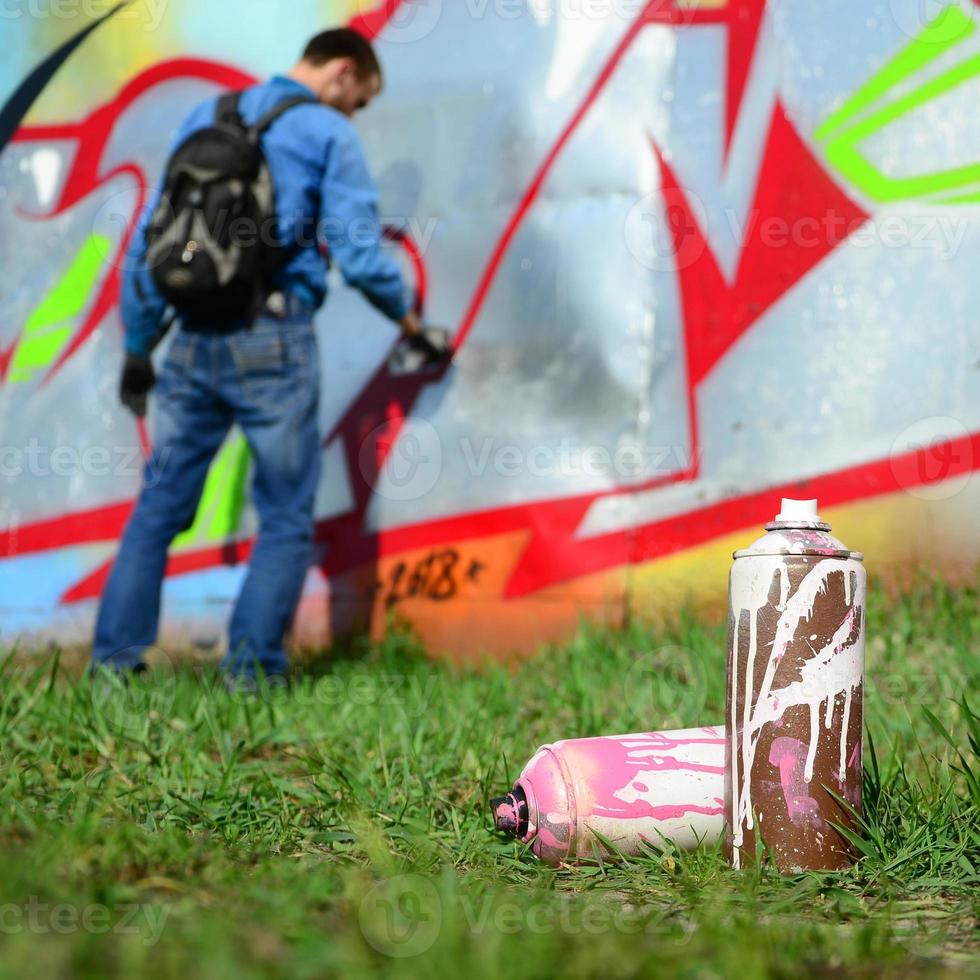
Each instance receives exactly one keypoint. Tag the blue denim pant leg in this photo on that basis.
(270, 376)
(191, 422)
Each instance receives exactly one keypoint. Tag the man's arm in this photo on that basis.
(350, 227)
(142, 309)
(141, 304)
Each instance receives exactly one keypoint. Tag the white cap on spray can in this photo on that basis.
(797, 510)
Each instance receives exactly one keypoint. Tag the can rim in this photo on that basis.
(787, 553)
(797, 526)
(532, 809)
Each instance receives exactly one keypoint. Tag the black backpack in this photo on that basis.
(212, 241)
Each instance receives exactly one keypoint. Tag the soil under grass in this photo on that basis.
(170, 828)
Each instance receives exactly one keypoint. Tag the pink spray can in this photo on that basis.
(648, 787)
(795, 686)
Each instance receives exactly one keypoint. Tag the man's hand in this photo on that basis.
(411, 324)
(428, 343)
(431, 345)
(135, 384)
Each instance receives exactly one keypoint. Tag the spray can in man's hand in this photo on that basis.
(428, 352)
(649, 787)
(795, 686)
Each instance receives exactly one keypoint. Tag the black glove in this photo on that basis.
(432, 344)
(135, 384)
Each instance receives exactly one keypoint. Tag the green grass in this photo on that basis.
(174, 830)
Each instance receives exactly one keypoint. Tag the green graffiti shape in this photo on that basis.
(47, 329)
(844, 129)
(220, 510)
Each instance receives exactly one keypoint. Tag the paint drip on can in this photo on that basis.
(649, 787)
(795, 687)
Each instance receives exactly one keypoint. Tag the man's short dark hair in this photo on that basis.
(342, 42)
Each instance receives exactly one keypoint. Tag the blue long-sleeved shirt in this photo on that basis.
(324, 193)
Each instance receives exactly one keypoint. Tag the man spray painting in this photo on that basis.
(246, 351)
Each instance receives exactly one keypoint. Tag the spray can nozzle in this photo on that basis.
(510, 812)
(800, 514)
(797, 510)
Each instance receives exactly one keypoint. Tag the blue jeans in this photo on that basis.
(265, 379)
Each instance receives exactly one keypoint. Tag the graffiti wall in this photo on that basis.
(694, 256)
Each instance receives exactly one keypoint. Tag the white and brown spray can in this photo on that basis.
(795, 687)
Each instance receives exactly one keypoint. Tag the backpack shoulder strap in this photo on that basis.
(227, 109)
(278, 110)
